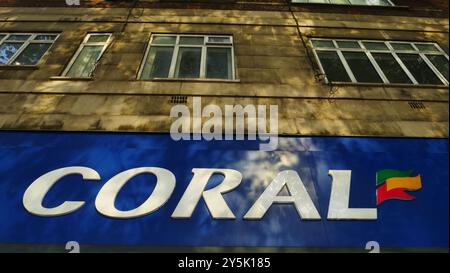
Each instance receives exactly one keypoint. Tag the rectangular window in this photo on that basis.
(85, 60)
(24, 48)
(387, 62)
(349, 2)
(188, 57)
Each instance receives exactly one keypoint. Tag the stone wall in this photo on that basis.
(271, 64)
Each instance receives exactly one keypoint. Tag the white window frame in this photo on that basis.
(391, 4)
(25, 45)
(206, 44)
(391, 50)
(86, 43)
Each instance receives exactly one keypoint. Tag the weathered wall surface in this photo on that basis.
(271, 65)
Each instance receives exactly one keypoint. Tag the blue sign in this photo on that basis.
(421, 222)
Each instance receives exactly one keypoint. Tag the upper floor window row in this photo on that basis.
(24, 48)
(349, 2)
(189, 56)
(212, 57)
(385, 62)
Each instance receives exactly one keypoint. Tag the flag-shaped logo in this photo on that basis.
(393, 184)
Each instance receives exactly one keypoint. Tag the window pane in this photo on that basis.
(188, 62)
(158, 63)
(98, 38)
(361, 67)
(18, 37)
(168, 40)
(427, 47)
(7, 50)
(333, 67)
(191, 40)
(32, 54)
(375, 46)
(391, 69)
(222, 40)
(45, 37)
(322, 43)
(318, 1)
(348, 44)
(219, 63)
(441, 63)
(402, 46)
(85, 62)
(420, 70)
(2, 36)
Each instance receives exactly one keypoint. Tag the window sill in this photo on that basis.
(397, 85)
(19, 67)
(192, 80)
(63, 78)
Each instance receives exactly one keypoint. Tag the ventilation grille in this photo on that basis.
(416, 105)
(178, 99)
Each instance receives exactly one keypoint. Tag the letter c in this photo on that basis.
(36, 192)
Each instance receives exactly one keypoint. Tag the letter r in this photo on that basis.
(213, 197)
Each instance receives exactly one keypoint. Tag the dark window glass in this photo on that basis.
(361, 67)
(427, 47)
(333, 67)
(188, 62)
(420, 70)
(402, 46)
(390, 67)
(218, 63)
(441, 63)
(158, 63)
(32, 54)
(348, 44)
(375, 46)
(322, 43)
(191, 40)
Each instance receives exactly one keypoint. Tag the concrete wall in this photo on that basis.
(271, 63)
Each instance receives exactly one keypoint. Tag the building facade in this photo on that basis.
(271, 64)
(334, 68)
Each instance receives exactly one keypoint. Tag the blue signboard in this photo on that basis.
(421, 222)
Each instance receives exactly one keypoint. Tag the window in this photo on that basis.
(189, 56)
(349, 2)
(24, 48)
(86, 58)
(385, 62)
